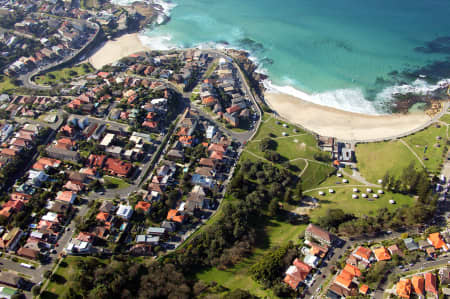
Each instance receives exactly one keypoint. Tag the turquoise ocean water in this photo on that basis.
(348, 54)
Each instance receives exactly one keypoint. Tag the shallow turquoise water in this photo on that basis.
(334, 50)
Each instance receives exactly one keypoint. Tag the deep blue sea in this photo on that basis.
(348, 54)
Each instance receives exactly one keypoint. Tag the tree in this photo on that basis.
(274, 208)
(47, 274)
(267, 144)
(35, 290)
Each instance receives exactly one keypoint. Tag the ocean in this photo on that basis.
(348, 54)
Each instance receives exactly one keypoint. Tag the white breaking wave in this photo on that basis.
(419, 86)
(351, 100)
(159, 42)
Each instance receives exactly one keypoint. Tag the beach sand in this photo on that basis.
(116, 49)
(341, 124)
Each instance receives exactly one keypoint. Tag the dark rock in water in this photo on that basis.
(438, 45)
(224, 42)
(267, 61)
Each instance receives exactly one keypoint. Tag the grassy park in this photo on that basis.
(342, 199)
(115, 183)
(63, 75)
(376, 159)
(6, 84)
(297, 148)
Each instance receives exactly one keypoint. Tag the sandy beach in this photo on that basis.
(341, 124)
(114, 50)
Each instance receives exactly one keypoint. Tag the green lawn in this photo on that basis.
(315, 174)
(62, 75)
(116, 181)
(276, 233)
(424, 144)
(211, 69)
(270, 128)
(445, 118)
(342, 199)
(334, 180)
(6, 84)
(376, 159)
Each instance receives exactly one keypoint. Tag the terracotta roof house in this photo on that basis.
(207, 162)
(430, 283)
(66, 196)
(382, 254)
(418, 283)
(97, 160)
(364, 289)
(344, 279)
(352, 270)
(363, 253)
(118, 167)
(403, 288)
(175, 216)
(297, 273)
(319, 234)
(74, 186)
(216, 155)
(317, 250)
(214, 147)
(45, 163)
(143, 205)
(437, 241)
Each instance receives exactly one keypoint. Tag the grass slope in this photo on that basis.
(62, 75)
(376, 159)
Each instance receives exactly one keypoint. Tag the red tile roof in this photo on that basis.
(174, 215)
(418, 283)
(143, 205)
(430, 283)
(404, 288)
(118, 167)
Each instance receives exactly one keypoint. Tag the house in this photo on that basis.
(311, 260)
(364, 289)
(63, 154)
(46, 163)
(107, 207)
(431, 284)
(169, 226)
(363, 253)
(204, 181)
(175, 155)
(74, 186)
(125, 212)
(410, 244)
(316, 233)
(403, 288)
(352, 270)
(28, 253)
(143, 206)
(344, 279)
(82, 244)
(66, 196)
(10, 240)
(153, 240)
(437, 241)
(175, 216)
(118, 167)
(297, 273)
(395, 250)
(156, 231)
(423, 245)
(97, 160)
(195, 200)
(418, 284)
(381, 254)
(444, 275)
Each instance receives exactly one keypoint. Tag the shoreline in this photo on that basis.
(116, 49)
(344, 125)
(320, 119)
